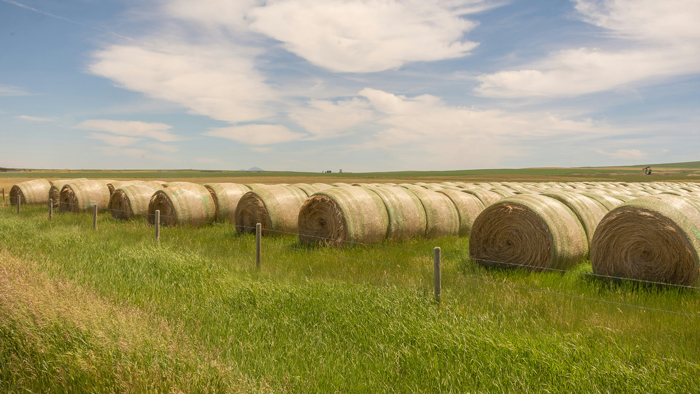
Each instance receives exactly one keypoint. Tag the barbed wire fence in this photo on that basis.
(257, 257)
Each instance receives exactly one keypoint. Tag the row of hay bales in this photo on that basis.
(643, 230)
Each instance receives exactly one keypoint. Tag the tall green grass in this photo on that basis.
(352, 320)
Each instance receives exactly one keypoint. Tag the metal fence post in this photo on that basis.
(94, 217)
(50, 208)
(157, 225)
(258, 245)
(437, 274)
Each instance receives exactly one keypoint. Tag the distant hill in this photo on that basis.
(252, 169)
(688, 164)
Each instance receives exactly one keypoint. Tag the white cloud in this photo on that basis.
(368, 35)
(659, 40)
(217, 80)
(157, 131)
(426, 131)
(260, 149)
(35, 118)
(114, 140)
(255, 134)
(8, 91)
(326, 119)
(624, 153)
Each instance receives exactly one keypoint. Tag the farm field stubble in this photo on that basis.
(111, 310)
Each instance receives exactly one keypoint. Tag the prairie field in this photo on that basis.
(112, 310)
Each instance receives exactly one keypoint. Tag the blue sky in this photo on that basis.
(362, 85)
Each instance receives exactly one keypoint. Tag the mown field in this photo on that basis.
(113, 311)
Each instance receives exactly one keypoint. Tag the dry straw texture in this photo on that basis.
(114, 185)
(468, 208)
(588, 211)
(486, 197)
(182, 204)
(82, 195)
(226, 197)
(532, 231)
(608, 202)
(311, 189)
(130, 202)
(440, 213)
(405, 211)
(32, 192)
(343, 215)
(56, 186)
(654, 238)
(275, 207)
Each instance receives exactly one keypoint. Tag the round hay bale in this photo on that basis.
(486, 197)
(533, 231)
(275, 207)
(55, 190)
(157, 185)
(441, 215)
(343, 215)
(588, 211)
(468, 208)
(253, 186)
(114, 185)
(32, 192)
(502, 192)
(608, 202)
(82, 195)
(654, 238)
(226, 197)
(182, 204)
(130, 202)
(341, 184)
(405, 212)
(311, 189)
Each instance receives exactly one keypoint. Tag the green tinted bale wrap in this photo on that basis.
(182, 203)
(82, 195)
(343, 215)
(588, 211)
(468, 208)
(533, 231)
(275, 207)
(655, 238)
(441, 214)
(34, 192)
(130, 202)
(226, 197)
(405, 211)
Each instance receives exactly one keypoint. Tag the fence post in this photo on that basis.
(94, 217)
(157, 225)
(50, 208)
(437, 274)
(258, 244)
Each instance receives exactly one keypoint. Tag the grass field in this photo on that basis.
(112, 311)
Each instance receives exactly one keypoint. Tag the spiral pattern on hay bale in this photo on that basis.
(343, 215)
(130, 202)
(655, 238)
(226, 197)
(533, 231)
(32, 192)
(275, 207)
(82, 195)
(182, 203)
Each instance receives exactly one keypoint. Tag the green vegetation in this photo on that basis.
(112, 311)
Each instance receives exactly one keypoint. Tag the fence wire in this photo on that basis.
(239, 238)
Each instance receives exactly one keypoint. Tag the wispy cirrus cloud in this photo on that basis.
(255, 134)
(158, 131)
(35, 118)
(653, 40)
(9, 91)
